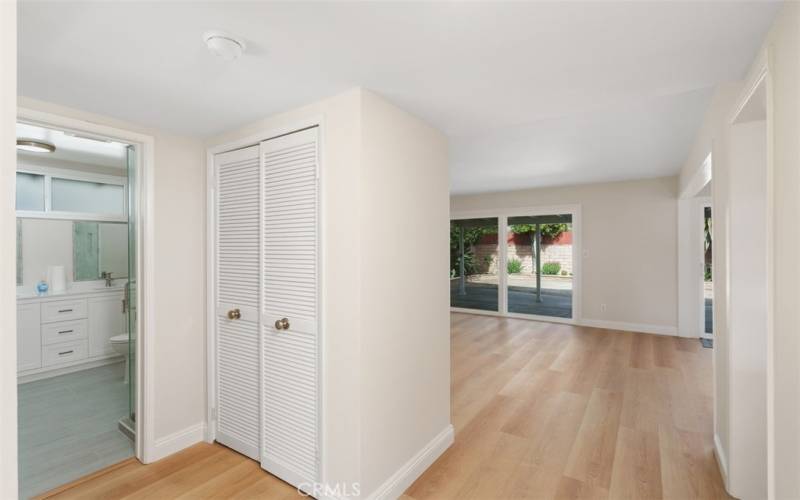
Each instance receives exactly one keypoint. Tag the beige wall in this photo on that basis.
(8, 300)
(628, 233)
(783, 42)
(179, 275)
(405, 324)
(782, 387)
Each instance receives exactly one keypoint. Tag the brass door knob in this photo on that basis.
(282, 324)
(234, 314)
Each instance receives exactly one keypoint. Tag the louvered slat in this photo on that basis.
(238, 231)
(290, 253)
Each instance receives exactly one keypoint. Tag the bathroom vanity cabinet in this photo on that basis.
(67, 332)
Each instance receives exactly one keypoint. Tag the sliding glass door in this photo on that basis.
(539, 265)
(474, 264)
(521, 263)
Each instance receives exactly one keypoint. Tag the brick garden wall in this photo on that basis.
(519, 247)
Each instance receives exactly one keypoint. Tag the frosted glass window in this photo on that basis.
(87, 197)
(30, 192)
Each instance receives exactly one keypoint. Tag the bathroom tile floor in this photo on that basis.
(68, 427)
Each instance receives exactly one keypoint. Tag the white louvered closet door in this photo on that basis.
(290, 307)
(238, 234)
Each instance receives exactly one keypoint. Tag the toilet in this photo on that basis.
(120, 345)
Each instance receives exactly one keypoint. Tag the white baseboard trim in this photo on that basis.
(177, 441)
(630, 327)
(722, 461)
(400, 481)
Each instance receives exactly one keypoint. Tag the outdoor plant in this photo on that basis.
(548, 230)
(514, 266)
(471, 237)
(551, 268)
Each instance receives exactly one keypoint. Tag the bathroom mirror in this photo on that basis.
(86, 249)
(99, 247)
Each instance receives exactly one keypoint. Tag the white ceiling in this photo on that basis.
(531, 94)
(72, 150)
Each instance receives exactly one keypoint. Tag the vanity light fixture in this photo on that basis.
(224, 45)
(35, 146)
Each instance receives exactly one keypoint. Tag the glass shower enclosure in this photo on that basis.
(128, 425)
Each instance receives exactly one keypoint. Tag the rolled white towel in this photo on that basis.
(56, 278)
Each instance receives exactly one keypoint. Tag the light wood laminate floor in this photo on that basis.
(541, 411)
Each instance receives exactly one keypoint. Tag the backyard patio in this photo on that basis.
(481, 293)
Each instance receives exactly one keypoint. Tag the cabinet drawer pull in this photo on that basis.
(65, 310)
(65, 352)
(65, 331)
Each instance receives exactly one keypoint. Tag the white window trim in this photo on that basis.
(49, 173)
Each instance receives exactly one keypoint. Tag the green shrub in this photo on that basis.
(551, 268)
(514, 266)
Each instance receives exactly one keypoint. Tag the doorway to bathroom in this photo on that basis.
(78, 202)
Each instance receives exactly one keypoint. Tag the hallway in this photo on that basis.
(541, 410)
(557, 411)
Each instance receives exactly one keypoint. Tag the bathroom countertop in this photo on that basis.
(24, 293)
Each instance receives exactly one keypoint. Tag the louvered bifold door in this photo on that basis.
(237, 290)
(290, 307)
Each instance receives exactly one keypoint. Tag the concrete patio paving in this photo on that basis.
(481, 293)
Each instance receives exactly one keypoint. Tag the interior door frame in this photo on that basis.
(701, 204)
(145, 446)
(502, 215)
(211, 257)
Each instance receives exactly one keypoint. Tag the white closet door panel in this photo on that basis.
(238, 233)
(290, 289)
(238, 389)
(238, 227)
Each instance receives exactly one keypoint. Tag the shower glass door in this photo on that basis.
(131, 287)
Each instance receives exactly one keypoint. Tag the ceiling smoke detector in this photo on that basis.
(224, 45)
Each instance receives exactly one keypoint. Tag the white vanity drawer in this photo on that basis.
(63, 331)
(65, 352)
(63, 310)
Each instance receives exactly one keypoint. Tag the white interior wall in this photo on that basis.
(8, 250)
(783, 377)
(405, 380)
(781, 51)
(45, 242)
(179, 274)
(747, 327)
(629, 243)
(712, 139)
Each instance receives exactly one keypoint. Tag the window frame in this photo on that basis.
(502, 215)
(49, 173)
